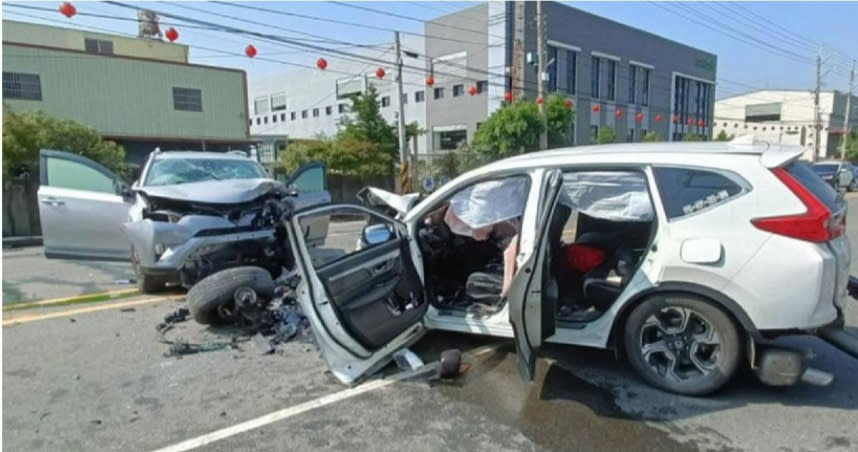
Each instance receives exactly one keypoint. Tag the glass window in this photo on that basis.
(595, 75)
(315, 112)
(809, 177)
(630, 136)
(278, 102)
(633, 80)
(482, 86)
(419, 96)
(571, 71)
(75, 175)
(265, 119)
(645, 86)
(17, 85)
(304, 114)
(292, 116)
(612, 80)
(176, 170)
(594, 133)
(342, 108)
(273, 118)
(310, 179)
(258, 120)
(449, 140)
(553, 70)
(404, 98)
(260, 105)
(329, 110)
(385, 101)
(685, 190)
(187, 99)
(342, 232)
(458, 90)
(438, 93)
(282, 117)
(99, 46)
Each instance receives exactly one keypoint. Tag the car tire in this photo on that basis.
(213, 295)
(146, 283)
(696, 359)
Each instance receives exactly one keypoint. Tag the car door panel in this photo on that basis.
(80, 223)
(311, 184)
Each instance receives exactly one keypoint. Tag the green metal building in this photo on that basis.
(141, 93)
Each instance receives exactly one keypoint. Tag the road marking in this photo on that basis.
(74, 299)
(301, 408)
(54, 315)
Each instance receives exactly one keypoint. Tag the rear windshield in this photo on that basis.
(809, 178)
(824, 168)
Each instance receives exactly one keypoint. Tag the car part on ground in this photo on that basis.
(219, 297)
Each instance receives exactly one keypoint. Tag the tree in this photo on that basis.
(651, 137)
(559, 121)
(692, 137)
(368, 124)
(24, 134)
(722, 136)
(852, 145)
(606, 135)
(511, 129)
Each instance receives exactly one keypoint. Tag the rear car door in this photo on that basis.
(359, 287)
(82, 206)
(532, 295)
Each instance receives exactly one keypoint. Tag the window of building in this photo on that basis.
(304, 114)
(630, 136)
(482, 86)
(273, 118)
(99, 46)
(250, 122)
(633, 80)
(643, 133)
(282, 117)
(595, 75)
(17, 85)
(438, 93)
(571, 71)
(315, 112)
(612, 80)
(329, 110)
(258, 120)
(342, 108)
(292, 116)
(385, 101)
(449, 140)
(187, 99)
(260, 105)
(278, 102)
(685, 190)
(404, 98)
(458, 90)
(265, 119)
(645, 72)
(594, 134)
(419, 96)
(553, 71)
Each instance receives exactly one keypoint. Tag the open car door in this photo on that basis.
(359, 287)
(532, 294)
(82, 206)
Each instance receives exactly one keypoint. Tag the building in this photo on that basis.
(641, 82)
(786, 116)
(141, 93)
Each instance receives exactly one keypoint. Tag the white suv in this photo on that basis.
(689, 257)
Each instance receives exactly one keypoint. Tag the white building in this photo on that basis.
(786, 116)
(308, 103)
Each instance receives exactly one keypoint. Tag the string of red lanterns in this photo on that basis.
(68, 10)
(250, 51)
(596, 108)
(539, 100)
(568, 104)
(322, 63)
(430, 81)
(172, 34)
(380, 72)
(472, 90)
(507, 96)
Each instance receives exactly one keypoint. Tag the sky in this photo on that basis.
(749, 38)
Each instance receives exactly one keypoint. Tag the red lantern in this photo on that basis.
(250, 51)
(539, 100)
(380, 72)
(507, 96)
(690, 121)
(322, 63)
(701, 123)
(619, 113)
(172, 34)
(596, 108)
(659, 117)
(68, 10)
(676, 119)
(639, 117)
(568, 104)
(472, 90)
(430, 81)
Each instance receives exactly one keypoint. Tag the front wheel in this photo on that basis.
(682, 344)
(146, 283)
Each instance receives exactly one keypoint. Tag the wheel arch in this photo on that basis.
(717, 298)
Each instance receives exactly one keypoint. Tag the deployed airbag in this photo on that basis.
(610, 195)
(490, 202)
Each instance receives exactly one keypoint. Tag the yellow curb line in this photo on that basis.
(54, 315)
(103, 296)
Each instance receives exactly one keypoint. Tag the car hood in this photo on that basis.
(232, 191)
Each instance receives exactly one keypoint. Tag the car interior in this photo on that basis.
(598, 235)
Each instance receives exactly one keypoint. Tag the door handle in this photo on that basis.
(53, 202)
(380, 268)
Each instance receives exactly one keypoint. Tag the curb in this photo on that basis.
(77, 299)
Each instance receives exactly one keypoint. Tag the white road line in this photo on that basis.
(292, 411)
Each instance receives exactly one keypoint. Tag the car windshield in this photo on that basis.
(824, 168)
(173, 171)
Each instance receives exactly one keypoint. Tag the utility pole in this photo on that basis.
(404, 173)
(540, 44)
(817, 127)
(847, 112)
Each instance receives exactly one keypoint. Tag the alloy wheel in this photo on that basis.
(680, 344)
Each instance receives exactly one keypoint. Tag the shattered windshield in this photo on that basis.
(173, 171)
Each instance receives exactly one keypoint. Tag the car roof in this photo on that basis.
(200, 155)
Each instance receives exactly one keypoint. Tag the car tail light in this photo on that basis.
(815, 225)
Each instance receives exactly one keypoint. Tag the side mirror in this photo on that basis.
(377, 233)
(124, 189)
(291, 190)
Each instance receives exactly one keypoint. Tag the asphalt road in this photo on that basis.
(99, 381)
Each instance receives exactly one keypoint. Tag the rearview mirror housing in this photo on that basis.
(376, 233)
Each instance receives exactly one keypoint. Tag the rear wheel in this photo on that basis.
(211, 299)
(682, 344)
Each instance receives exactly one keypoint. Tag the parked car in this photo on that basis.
(854, 185)
(839, 174)
(188, 215)
(687, 257)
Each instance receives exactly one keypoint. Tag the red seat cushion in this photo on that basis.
(583, 258)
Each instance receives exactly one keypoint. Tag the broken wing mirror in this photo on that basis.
(375, 234)
(292, 191)
(124, 189)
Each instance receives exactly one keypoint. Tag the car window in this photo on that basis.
(334, 234)
(823, 191)
(824, 168)
(685, 190)
(70, 174)
(310, 180)
(172, 171)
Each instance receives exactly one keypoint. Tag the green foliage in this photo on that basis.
(722, 136)
(651, 137)
(606, 135)
(301, 152)
(852, 145)
(368, 124)
(511, 129)
(24, 134)
(559, 121)
(692, 137)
